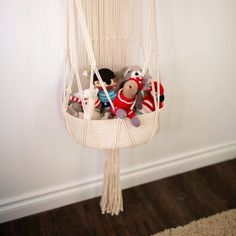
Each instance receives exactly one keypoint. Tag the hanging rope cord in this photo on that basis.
(148, 49)
(156, 101)
(71, 43)
(151, 14)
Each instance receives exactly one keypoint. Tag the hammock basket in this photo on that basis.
(113, 34)
(114, 133)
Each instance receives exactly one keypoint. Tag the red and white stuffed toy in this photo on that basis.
(129, 94)
(76, 99)
(148, 104)
(91, 111)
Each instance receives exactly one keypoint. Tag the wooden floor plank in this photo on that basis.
(149, 208)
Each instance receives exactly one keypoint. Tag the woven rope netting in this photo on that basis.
(112, 34)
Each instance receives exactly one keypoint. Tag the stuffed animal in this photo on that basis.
(148, 104)
(109, 81)
(129, 93)
(133, 72)
(91, 101)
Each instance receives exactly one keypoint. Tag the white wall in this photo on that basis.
(39, 162)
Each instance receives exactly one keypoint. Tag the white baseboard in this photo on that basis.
(51, 198)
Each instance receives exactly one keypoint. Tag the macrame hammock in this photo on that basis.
(117, 33)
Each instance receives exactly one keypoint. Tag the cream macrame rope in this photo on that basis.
(156, 103)
(148, 43)
(117, 136)
(73, 57)
(68, 90)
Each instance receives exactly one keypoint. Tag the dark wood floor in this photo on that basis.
(149, 208)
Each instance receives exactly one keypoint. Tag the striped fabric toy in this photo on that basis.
(148, 104)
(76, 98)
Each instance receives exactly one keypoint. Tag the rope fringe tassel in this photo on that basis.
(111, 201)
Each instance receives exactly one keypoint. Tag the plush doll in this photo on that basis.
(148, 104)
(109, 81)
(92, 105)
(133, 72)
(129, 93)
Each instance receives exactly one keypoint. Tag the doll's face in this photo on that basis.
(130, 89)
(108, 86)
